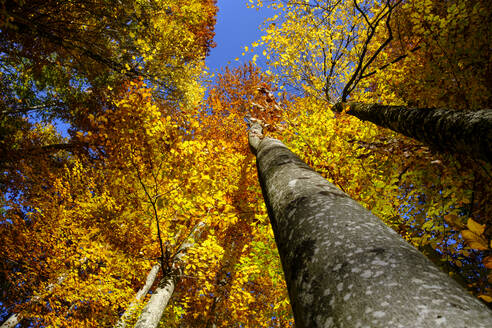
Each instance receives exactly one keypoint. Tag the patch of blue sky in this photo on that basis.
(237, 27)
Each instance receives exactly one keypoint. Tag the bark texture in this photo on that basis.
(153, 311)
(12, 321)
(447, 130)
(343, 266)
(140, 294)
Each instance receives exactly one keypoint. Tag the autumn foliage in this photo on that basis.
(395, 53)
(149, 161)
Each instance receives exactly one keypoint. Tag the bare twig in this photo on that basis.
(156, 216)
(362, 65)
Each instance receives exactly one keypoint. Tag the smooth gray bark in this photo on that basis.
(12, 321)
(153, 311)
(140, 294)
(466, 132)
(343, 266)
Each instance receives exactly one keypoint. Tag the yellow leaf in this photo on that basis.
(474, 240)
(475, 227)
(486, 298)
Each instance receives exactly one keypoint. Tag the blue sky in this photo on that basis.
(237, 26)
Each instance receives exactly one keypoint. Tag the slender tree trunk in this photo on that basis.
(153, 311)
(343, 266)
(12, 321)
(466, 132)
(140, 294)
(15, 318)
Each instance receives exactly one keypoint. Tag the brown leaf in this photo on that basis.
(453, 220)
(487, 262)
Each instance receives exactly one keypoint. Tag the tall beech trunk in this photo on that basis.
(343, 266)
(447, 130)
(140, 294)
(154, 309)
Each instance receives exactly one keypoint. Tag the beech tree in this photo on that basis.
(97, 226)
(345, 51)
(142, 292)
(465, 132)
(66, 61)
(84, 63)
(152, 313)
(342, 265)
(384, 60)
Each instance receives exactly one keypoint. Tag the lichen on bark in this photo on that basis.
(343, 266)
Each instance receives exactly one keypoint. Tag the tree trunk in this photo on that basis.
(153, 311)
(12, 321)
(343, 266)
(141, 293)
(447, 130)
(15, 318)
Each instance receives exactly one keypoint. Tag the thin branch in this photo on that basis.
(361, 66)
(397, 59)
(156, 216)
(363, 14)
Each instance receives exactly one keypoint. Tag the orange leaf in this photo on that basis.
(487, 262)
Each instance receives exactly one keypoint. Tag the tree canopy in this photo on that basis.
(119, 151)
